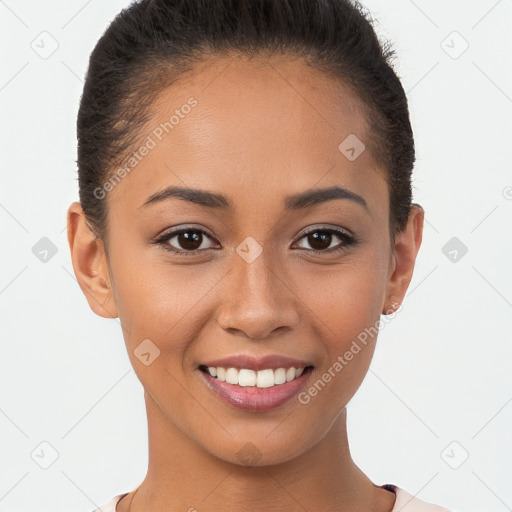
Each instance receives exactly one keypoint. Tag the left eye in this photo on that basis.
(321, 239)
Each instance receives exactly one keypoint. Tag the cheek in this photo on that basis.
(345, 306)
(158, 301)
(346, 300)
(347, 325)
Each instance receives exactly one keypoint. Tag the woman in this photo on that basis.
(245, 210)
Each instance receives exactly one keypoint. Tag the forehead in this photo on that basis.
(284, 99)
(251, 128)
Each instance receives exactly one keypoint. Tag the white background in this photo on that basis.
(441, 371)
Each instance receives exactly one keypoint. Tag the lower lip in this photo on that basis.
(252, 398)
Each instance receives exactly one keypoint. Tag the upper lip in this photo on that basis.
(257, 363)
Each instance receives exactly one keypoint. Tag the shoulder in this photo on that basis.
(406, 502)
(110, 506)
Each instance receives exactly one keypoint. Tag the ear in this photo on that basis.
(407, 244)
(90, 263)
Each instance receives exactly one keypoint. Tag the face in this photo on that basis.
(255, 272)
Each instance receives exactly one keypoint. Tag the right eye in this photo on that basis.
(188, 241)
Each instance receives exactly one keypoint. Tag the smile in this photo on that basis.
(244, 377)
(255, 390)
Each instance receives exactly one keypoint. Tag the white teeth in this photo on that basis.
(246, 378)
(250, 378)
(280, 376)
(265, 379)
(232, 376)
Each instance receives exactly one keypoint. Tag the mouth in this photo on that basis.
(255, 390)
(245, 377)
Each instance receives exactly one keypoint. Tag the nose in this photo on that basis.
(257, 299)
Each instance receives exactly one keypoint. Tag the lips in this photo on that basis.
(264, 393)
(254, 399)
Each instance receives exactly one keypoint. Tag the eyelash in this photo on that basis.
(347, 240)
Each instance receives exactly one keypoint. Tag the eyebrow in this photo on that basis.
(220, 201)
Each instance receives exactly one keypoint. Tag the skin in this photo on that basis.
(262, 129)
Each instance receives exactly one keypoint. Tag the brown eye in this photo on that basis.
(187, 241)
(320, 240)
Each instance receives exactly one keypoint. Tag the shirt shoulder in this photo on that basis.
(406, 502)
(110, 505)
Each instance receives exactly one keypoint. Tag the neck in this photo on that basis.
(183, 476)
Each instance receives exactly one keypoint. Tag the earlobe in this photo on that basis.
(393, 303)
(407, 245)
(89, 263)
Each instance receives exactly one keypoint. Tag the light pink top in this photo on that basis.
(404, 502)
